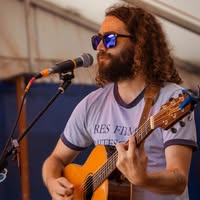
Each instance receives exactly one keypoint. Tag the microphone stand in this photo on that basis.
(13, 148)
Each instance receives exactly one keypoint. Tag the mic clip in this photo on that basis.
(65, 78)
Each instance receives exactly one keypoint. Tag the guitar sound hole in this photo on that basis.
(88, 188)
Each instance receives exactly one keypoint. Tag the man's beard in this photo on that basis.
(120, 67)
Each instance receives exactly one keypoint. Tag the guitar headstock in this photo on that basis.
(170, 113)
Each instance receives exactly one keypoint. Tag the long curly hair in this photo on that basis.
(151, 52)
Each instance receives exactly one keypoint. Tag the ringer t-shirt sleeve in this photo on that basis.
(75, 134)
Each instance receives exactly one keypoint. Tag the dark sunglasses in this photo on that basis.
(109, 40)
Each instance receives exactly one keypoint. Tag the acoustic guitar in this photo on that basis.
(90, 180)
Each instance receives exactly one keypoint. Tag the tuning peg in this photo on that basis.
(174, 130)
(182, 123)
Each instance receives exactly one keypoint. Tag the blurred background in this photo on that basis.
(36, 34)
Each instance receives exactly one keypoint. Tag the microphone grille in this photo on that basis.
(87, 59)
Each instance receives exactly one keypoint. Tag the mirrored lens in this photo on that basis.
(109, 40)
(95, 41)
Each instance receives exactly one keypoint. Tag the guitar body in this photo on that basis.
(78, 175)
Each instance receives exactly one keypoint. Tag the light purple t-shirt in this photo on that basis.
(102, 118)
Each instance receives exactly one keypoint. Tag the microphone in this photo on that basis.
(85, 60)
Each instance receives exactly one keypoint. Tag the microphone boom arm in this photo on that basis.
(12, 149)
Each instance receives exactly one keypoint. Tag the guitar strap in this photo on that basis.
(150, 97)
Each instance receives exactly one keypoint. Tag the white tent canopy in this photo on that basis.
(37, 33)
(183, 31)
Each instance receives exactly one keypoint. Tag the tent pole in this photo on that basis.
(23, 154)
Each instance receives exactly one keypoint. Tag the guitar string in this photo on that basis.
(112, 159)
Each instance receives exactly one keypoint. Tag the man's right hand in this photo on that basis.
(60, 189)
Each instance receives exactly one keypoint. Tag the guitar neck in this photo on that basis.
(108, 167)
